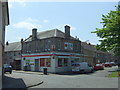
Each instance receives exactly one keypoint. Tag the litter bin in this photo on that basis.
(45, 71)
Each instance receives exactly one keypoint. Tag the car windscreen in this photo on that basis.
(98, 65)
(6, 65)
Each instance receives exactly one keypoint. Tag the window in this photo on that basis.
(48, 62)
(14, 54)
(68, 46)
(65, 62)
(45, 62)
(60, 62)
(42, 62)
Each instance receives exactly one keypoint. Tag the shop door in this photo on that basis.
(36, 64)
(17, 64)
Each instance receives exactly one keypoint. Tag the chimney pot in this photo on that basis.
(67, 31)
(34, 33)
(7, 43)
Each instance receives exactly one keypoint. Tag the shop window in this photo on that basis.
(59, 62)
(42, 62)
(48, 62)
(65, 62)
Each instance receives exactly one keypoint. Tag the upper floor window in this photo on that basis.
(68, 46)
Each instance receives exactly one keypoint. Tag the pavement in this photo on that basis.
(11, 81)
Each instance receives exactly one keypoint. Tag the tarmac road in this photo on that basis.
(97, 79)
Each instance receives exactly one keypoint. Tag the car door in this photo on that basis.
(90, 68)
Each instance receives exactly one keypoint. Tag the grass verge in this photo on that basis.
(114, 74)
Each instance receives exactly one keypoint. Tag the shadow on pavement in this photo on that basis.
(71, 73)
(13, 83)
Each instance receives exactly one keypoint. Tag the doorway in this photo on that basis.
(36, 65)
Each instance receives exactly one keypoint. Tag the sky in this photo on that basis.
(82, 17)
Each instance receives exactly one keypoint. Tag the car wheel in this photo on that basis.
(10, 72)
(92, 71)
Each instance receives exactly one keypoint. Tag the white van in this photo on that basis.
(83, 67)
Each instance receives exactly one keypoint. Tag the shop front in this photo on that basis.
(54, 62)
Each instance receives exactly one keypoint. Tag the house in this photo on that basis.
(51, 49)
(89, 53)
(92, 55)
(13, 54)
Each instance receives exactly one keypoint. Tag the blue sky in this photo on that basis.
(83, 17)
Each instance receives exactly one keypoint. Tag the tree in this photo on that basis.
(110, 32)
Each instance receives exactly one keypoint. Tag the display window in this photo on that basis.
(60, 62)
(48, 62)
(65, 62)
(42, 62)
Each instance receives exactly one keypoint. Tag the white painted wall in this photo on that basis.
(54, 62)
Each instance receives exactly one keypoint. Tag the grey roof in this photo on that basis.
(48, 34)
(92, 48)
(88, 46)
(16, 46)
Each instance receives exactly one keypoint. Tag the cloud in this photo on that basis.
(25, 25)
(21, 2)
(73, 28)
(29, 19)
(45, 21)
(19, 38)
(28, 24)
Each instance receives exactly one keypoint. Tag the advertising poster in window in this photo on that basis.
(42, 62)
(68, 46)
(48, 62)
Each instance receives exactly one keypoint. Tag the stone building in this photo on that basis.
(89, 53)
(13, 54)
(92, 56)
(53, 49)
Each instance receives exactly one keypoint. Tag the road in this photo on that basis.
(97, 79)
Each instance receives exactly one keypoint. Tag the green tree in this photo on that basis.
(110, 32)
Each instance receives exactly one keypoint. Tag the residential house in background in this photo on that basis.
(89, 53)
(13, 54)
(53, 49)
(92, 56)
(103, 56)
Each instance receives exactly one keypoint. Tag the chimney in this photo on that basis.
(34, 34)
(7, 43)
(21, 40)
(67, 31)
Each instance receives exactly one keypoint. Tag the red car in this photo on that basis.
(108, 64)
(99, 66)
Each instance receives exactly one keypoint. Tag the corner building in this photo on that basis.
(52, 49)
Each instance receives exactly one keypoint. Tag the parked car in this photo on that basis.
(108, 64)
(98, 66)
(83, 67)
(7, 68)
(113, 63)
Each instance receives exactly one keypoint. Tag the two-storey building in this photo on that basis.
(53, 49)
(92, 55)
(13, 54)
